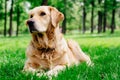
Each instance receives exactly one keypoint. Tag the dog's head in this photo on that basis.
(43, 16)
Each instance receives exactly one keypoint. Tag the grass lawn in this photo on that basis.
(104, 50)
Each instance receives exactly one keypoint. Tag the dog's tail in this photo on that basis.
(77, 52)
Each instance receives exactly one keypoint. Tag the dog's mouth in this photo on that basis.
(32, 29)
(40, 34)
(35, 31)
(31, 26)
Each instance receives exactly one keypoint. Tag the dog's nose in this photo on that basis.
(30, 22)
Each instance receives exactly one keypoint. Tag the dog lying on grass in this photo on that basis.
(48, 50)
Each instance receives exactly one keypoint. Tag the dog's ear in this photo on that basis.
(56, 16)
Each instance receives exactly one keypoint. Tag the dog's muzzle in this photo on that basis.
(32, 28)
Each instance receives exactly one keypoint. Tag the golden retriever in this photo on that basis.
(48, 49)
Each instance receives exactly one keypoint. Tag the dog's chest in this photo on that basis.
(47, 59)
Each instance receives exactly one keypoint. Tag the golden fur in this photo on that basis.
(48, 50)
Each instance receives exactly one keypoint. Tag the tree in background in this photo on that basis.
(5, 18)
(75, 15)
(113, 16)
(11, 17)
(2, 3)
(84, 17)
(105, 16)
(92, 16)
(18, 10)
(100, 16)
(44, 2)
(64, 21)
(18, 19)
(35, 3)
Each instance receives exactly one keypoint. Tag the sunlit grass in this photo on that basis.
(104, 50)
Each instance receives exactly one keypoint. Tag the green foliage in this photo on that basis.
(103, 49)
(74, 12)
(1, 9)
(35, 3)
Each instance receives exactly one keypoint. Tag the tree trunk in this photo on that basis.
(84, 18)
(64, 21)
(105, 16)
(99, 19)
(92, 16)
(44, 2)
(18, 20)
(11, 16)
(5, 18)
(113, 18)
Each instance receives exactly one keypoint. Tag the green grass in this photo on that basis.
(104, 50)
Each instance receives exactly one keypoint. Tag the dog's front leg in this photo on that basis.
(55, 70)
(27, 67)
(31, 66)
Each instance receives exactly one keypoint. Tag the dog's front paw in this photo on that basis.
(89, 63)
(52, 72)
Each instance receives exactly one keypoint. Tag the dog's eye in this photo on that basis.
(42, 13)
(31, 16)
